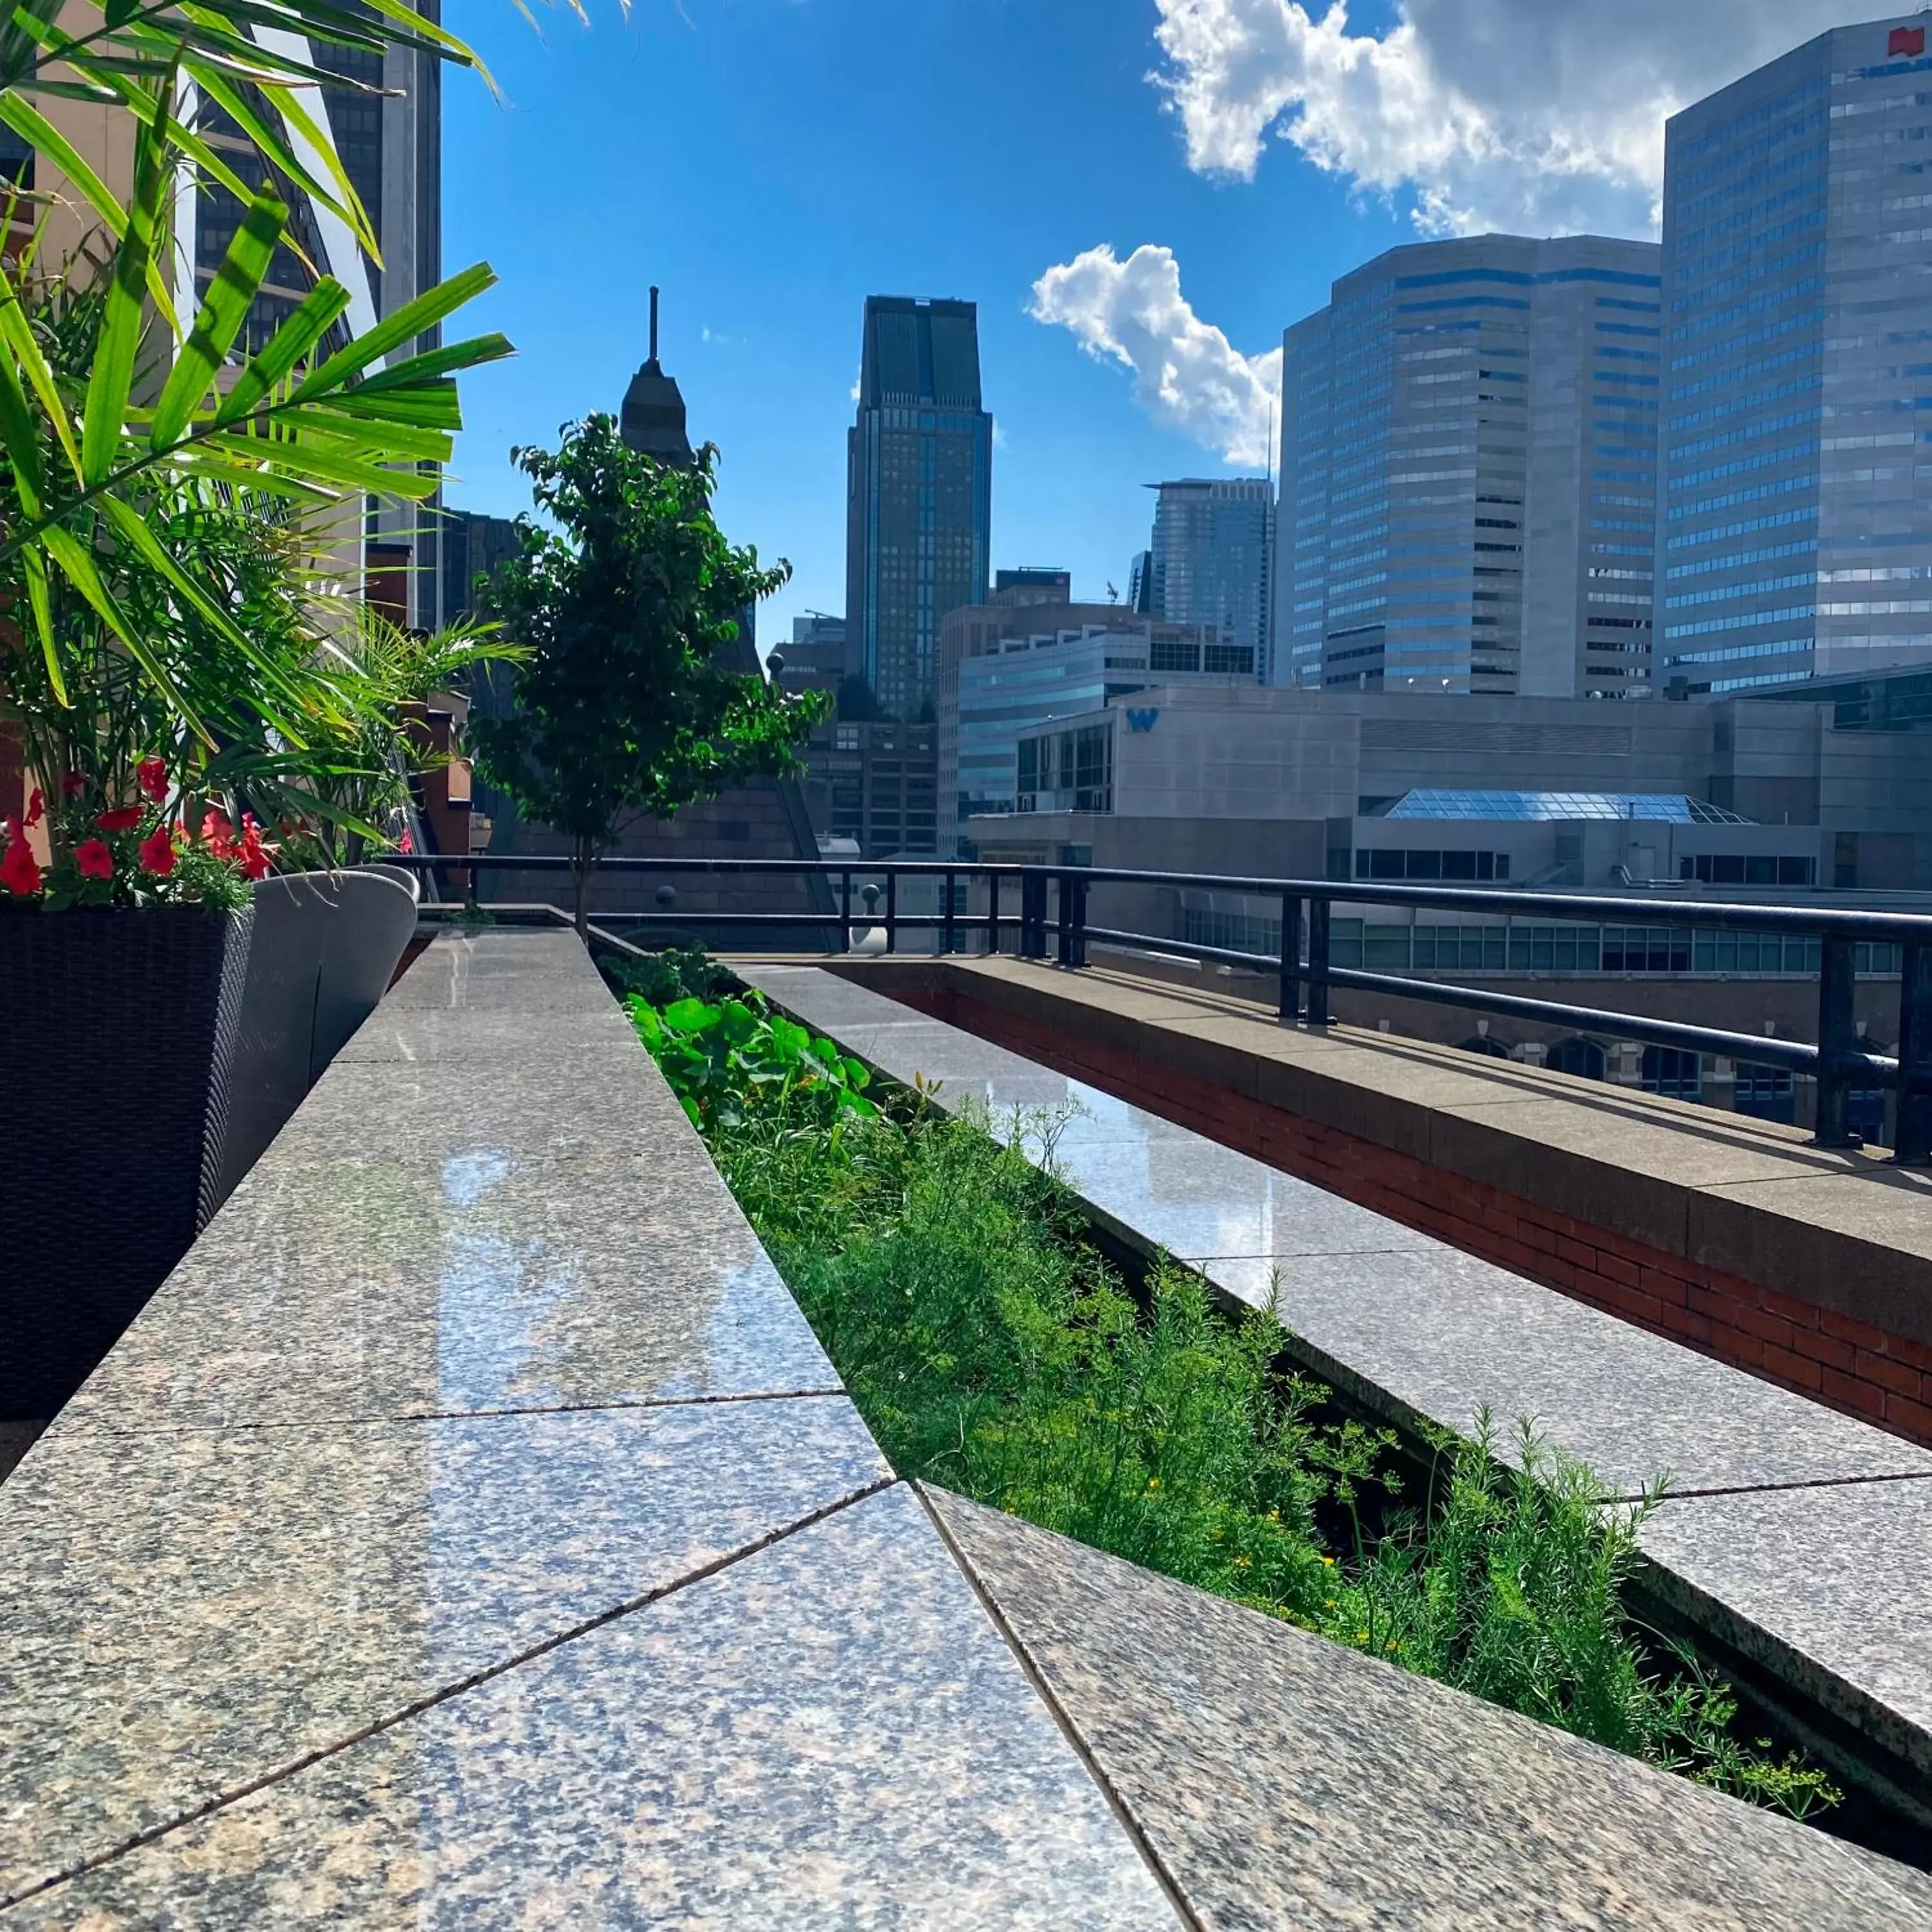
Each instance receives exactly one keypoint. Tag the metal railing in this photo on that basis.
(1048, 919)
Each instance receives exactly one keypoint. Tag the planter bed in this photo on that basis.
(992, 1349)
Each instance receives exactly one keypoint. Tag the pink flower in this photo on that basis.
(406, 844)
(157, 852)
(153, 778)
(95, 860)
(123, 819)
(18, 872)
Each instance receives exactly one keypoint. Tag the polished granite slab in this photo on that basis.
(1281, 1781)
(1416, 1330)
(186, 1614)
(1435, 1336)
(827, 1733)
(1832, 1587)
(377, 1287)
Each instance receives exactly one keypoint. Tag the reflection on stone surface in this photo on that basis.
(189, 1612)
(374, 1287)
(1285, 1781)
(827, 1733)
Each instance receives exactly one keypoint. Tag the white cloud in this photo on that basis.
(1186, 374)
(1534, 115)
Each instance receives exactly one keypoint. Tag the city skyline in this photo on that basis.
(1186, 247)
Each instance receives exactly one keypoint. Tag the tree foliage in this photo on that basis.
(626, 707)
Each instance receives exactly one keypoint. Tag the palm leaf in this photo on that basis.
(113, 378)
(224, 308)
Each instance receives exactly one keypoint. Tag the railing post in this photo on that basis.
(1079, 944)
(992, 914)
(1033, 916)
(1291, 956)
(1837, 1034)
(845, 931)
(891, 910)
(946, 932)
(1318, 962)
(1063, 922)
(1912, 1142)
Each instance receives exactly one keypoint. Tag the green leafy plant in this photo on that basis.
(312, 424)
(677, 973)
(624, 708)
(736, 1062)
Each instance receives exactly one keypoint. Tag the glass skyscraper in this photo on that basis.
(1209, 564)
(1468, 459)
(1796, 537)
(919, 492)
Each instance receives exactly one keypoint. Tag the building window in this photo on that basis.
(1456, 867)
(1668, 1071)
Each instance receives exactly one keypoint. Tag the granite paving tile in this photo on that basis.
(829, 1733)
(1831, 1586)
(181, 1620)
(1283, 1781)
(1436, 1336)
(419, 1034)
(1193, 1198)
(367, 1287)
(422, 1114)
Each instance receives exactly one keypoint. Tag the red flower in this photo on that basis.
(124, 819)
(36, 806)
(157, 852)
(95, 859)
(406, 844)
(153, 776)
(18, 872)
(256, 863)
(217, 829)
(73, 784)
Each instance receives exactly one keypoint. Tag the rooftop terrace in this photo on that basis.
(472, 1530)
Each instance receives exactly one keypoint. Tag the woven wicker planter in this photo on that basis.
(120, 1028)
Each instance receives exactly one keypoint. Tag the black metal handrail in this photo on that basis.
(1053, 899)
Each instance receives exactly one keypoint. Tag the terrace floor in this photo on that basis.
(472, 1531)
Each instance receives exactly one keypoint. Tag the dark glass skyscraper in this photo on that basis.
(919, 492)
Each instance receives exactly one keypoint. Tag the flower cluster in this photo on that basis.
(131, 854)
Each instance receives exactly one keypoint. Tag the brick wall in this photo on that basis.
(1847, 1364)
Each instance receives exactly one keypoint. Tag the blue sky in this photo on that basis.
(772, 162)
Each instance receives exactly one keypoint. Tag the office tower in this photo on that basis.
(475, 547)
(1796, 532)
(390, 144)
(652, 421)
(1469, 461)
(920, 492)
(1214, 545)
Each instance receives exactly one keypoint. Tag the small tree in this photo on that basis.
(623, 710)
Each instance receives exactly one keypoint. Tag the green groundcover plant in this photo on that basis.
(991, 1349)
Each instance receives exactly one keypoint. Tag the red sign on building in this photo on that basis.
(1907, 41)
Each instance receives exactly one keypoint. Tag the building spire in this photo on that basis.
(653, 362)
